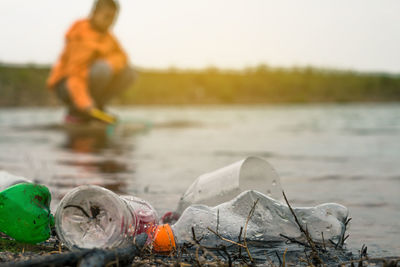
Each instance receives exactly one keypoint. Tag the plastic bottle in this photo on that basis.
(219, 186)
(24, 209)
(270, 219)
(90, 216)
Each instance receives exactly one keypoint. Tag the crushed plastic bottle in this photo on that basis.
(93, 217)
(270, 219)
(24, 209)
(219, 186)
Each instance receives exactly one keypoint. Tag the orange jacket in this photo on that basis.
(84, 45)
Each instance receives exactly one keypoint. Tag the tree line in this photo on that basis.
(25, 86)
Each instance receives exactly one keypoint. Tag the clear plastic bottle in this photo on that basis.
(90, 216)
(270, 219)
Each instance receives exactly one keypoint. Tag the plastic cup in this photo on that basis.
(213, 188)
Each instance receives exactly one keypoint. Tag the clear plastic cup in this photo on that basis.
(93, 217)
(213, 188)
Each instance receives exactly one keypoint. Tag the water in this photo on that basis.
(347, 154)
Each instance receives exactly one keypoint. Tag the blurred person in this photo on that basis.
(92, 68)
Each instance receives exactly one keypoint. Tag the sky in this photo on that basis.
(361, 35)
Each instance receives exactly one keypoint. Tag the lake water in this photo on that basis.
(349, 154)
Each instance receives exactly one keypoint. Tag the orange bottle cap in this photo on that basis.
(163, 239)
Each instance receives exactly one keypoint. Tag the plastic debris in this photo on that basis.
(90, 216)
(219, 186)
(270, 220)
(24, 209)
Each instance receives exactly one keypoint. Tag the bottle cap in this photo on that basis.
(163, 238)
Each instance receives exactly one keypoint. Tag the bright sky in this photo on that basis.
(351, 34)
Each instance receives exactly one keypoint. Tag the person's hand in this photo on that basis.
(101, 116)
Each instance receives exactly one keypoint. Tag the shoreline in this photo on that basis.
(51, 253)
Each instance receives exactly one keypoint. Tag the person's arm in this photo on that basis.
(80, 55)
(77, 82)
(117, 58)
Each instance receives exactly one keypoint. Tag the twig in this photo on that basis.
(293, 240)
(347, 221)
(279, 258)
(240, 248)
(294, 215)
(284, 258)
(217, 220)
(239, 239)
(335, 244)
(307, 258)
(229, 256)
(245, 229)
(197, 256)
(343, 237)
(194, 237)
(306, 234)
(363, 251)
(323, 240)
(225, 239)
(219, 251)
(203, 248)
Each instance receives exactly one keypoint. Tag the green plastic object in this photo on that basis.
(25, 213)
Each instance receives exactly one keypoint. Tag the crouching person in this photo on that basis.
(92, 68)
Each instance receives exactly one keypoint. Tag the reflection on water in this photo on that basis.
(96, 143)
(102, 166)
(346, 154)
(87, 143)
(99, 143)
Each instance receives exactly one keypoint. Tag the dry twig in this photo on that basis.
(284, 258)
(310, 242)
(225, 239)
(245, 229)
